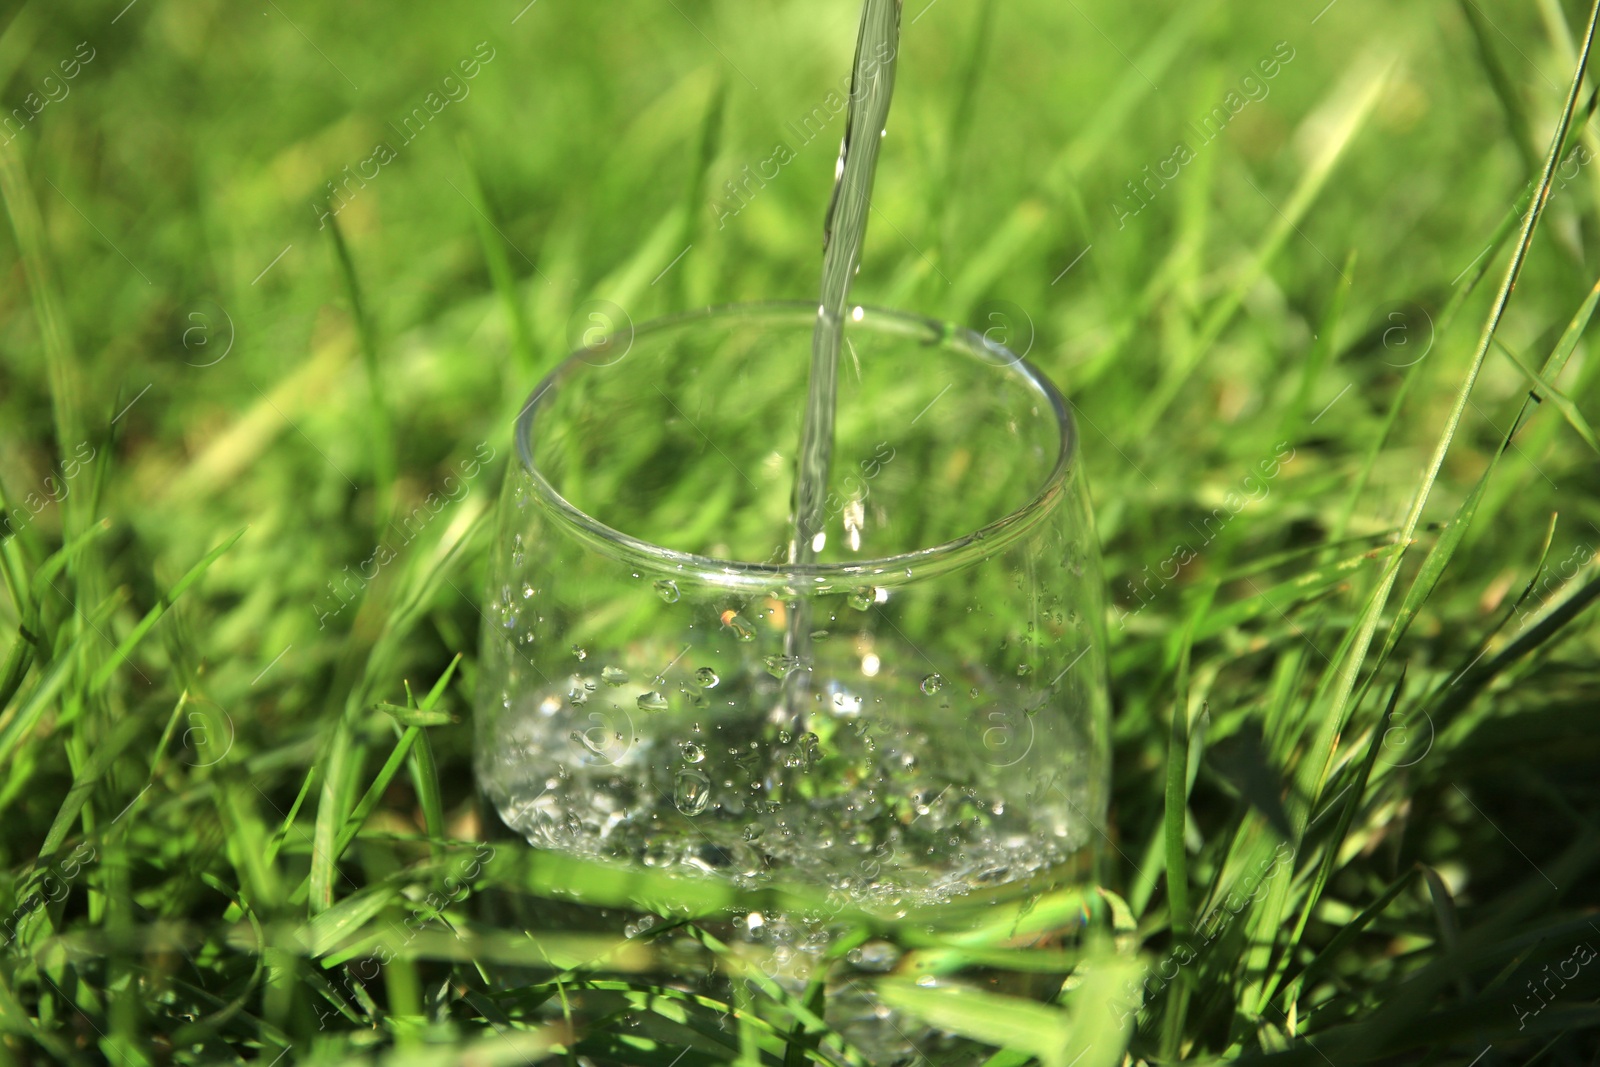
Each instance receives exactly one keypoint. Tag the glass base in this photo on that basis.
(766, 957)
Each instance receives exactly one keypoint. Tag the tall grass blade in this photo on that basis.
(1314, 769)
(383, 439)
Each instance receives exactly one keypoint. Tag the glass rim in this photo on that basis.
(790, 578)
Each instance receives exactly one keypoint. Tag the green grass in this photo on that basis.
(1344, 474)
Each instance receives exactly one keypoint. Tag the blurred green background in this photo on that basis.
(182, 179)
(188, 349)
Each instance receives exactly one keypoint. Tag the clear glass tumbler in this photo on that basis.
(919, 716)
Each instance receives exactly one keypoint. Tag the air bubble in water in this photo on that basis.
(932, 684)
(706, 678)
(692, 752)
(691, 791)
(862, 597)
(667, 590)
(879, 956)
(1023, 670)
(740, 626)
(613, 676)
(581, 653)
(652, 701)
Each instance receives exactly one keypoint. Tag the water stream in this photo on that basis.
(843, 232)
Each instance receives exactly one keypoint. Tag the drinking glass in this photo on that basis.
(917, 718)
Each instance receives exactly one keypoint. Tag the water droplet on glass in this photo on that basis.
(1023, 670)
(578, 696)
(692, 752)
(613, 676)
(581, 653)
(819, 635)
(861, 598)
(583, 739)
(932, 684)
(527, 592)
(752, 832)
(706, 678)
(973, 692)
(691, 791)
(652, 701)
(782, 666)
(846, 703)
(667, 590)
(784, 737)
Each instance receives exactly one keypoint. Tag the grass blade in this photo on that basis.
(493, 242)
(1543, 391)
(1330, 855)
(16, 724)
(1353, 105)
(383, 440)
(1504, 89)
(60, 358)
(1314, 769)
(154, 615)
